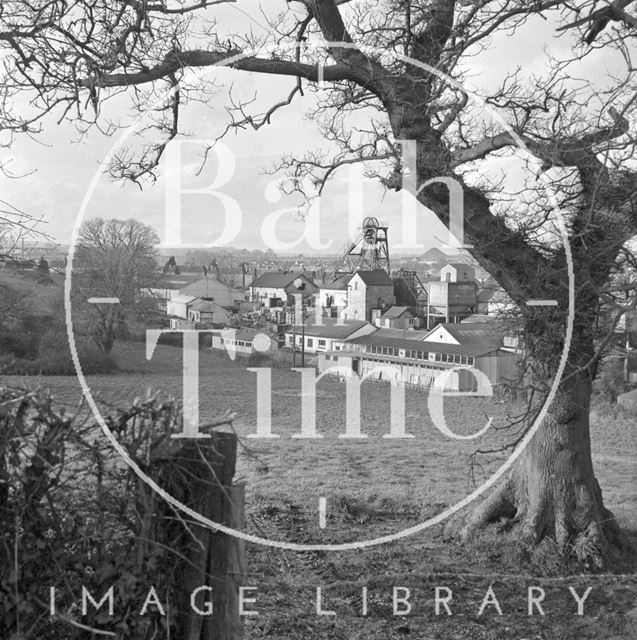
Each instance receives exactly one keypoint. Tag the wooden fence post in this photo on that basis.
(200, 475)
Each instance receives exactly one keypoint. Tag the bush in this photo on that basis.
(609, 383)
(54, 359)
(79, 520)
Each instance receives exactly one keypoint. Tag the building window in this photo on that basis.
(310, 342)
(438, 357)
(456, 359)
(463, 359)
(321, 343)
(470, 361)
(328, 357)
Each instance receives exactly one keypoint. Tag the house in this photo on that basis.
(168, 284)
(206, 312)
(509, 328)
(419, 357)
(177, 305)
(275, 289)
(492, 299)
(208, 288)
(367, 290)
(321, 334)
(244, 341)
(457, 272)
(397, 317)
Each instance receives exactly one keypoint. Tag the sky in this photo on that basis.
(234, 201)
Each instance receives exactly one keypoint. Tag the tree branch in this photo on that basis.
(600, 18)
(198, 58)
(560, 153)
(428, 46)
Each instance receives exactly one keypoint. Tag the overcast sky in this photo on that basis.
(63, 169)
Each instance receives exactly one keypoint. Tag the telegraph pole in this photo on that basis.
(303, 344)
(298, 313)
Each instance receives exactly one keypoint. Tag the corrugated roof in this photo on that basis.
(330, 328)
(374, 278)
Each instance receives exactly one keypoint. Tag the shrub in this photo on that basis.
(54, 359)
(609, 383)
(70, 517)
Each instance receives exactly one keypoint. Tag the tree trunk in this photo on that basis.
(552, 490)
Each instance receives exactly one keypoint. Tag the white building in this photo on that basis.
(419, 357)
(333, 298)
(273, 288)
(244, 341)
(321, 334)
(177, 305)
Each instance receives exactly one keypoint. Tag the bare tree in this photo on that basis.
(115, 259)
(376, 57)
(16, 228)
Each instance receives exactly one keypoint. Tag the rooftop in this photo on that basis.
(412, 340)
(175, 281)
(374, 278)
(332, 328)
(470, 331)
(279, 279)
(204, 305)
(339, 283)
(395, 312)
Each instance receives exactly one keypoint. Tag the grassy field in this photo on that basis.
(377, 486)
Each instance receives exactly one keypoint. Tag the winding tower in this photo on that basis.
(370, 251)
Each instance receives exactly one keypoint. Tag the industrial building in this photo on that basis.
(368, 290)
(418, 357)
(454, 297)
